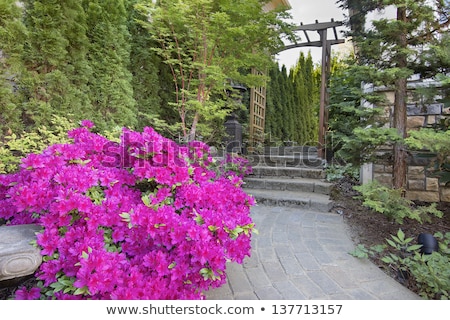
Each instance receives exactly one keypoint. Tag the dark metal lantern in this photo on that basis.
(429, 243)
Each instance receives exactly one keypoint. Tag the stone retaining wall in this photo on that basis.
(420, 185)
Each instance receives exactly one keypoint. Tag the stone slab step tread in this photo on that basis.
(307, 200)
(287, 162)
(288, 184)
(306, 172)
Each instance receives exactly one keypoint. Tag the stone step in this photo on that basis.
(266, 171)
(296, 161)
(289, 184)
(306, 200)
(290, 150)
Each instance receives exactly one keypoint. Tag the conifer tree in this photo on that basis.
(45, 57)
(12, 36)
(150, 77)
(394, 48)
(111, 91)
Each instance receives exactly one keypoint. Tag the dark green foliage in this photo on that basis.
(12, 35)
(292, 105)
(109, 57)
(152, 88)
(72, 58)
(429, 272)
(55, 80)
(356, 128)
(397, 48)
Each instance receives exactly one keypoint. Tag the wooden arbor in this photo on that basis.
(258, 96)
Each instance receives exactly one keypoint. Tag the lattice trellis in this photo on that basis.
(257, 113)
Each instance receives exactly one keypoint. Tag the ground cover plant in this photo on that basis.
(143, 218)
(393, 247)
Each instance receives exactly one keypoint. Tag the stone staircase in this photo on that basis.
(289, 176)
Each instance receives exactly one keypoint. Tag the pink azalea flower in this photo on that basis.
(24, 294)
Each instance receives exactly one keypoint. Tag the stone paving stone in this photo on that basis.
(279, 237)
(275, 271)
(283, 250)
(323, 258)
(245, 296)
(264, 241)
(360, 294)
(295, 234)
(324, 282)
(268, 293)
(258, 277)
(309, 289)
(313, 245)
(267, 254)
(222, 293)
(383, 289)
(342, 278)
(291, 266)
(238, 280)
(307, 261)
(288, 290)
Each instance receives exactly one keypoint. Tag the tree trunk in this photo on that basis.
(399, 169)
(400, 116)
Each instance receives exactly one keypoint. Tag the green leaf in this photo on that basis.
(146, 200)
(80, 291)
(212, 228)
(125, 216)
(199, 219)
(414, 247)
(387, 260)
(391, 243)
(401, 235)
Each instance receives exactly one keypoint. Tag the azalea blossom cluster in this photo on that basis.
(145, 218)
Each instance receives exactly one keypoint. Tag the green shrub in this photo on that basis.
(336, 172)
(430, 272)
(392, 204)
(15, 147)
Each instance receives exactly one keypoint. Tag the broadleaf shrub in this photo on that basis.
(392, 204)
(145, 218)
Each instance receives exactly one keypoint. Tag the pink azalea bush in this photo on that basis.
(145, 218)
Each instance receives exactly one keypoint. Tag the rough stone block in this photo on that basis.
(415, 122)
(416, 185)
(432, 184)
(385, 179)
(416, 170)
(445, 194)
(379, 168)
(426, 196)
(18, 257)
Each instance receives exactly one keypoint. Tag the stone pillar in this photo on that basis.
(18, 257)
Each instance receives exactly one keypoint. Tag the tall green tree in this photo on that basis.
(57, 71)
(307, 94)
(272, 120)
(12, 36)
(292, 108)
(206, 44)
(111, 90)
(151, 79)
(395, 48)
